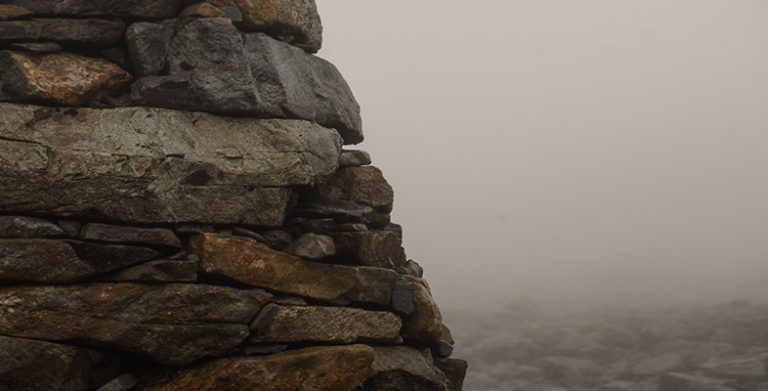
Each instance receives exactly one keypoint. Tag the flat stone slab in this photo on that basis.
(148, 165)
(402, 368)
(69, 32)
(161, 270)
(28, 227)
(250, 262)
(172, 324)
(290, 324)
(133, 235)
(317, 368)
(150, 9)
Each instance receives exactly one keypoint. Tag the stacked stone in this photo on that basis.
(177, 212)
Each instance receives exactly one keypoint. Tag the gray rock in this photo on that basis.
(194, 229)
(312, 246)
(425, 323)
(123, 382)
(148, 45)
(70, 227)
(350, 227)
(247, 233)
(411, 268)
(109, 257)
(28, 227)
(150, 165)
(277, 239)
(68, 32)
(363, 185)
(748, 367)
(455, 370)
(132, 235)
(30, 365)
(402, 297)
(354, 158)
(161, 270)
(444, 347)
(172, 324)
(290, 324)
(151, 9)
(315, 226)
(404, 368)
(371, 248)
(339, 211)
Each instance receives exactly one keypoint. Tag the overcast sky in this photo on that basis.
(567, 147)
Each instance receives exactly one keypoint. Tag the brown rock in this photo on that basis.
(120, 234)
(30, 365)
(201, 10)
(324, 324)
(341, 368)
(171, 324)
(12, 12)
(425, 323)
(152, 9)
(161, 270)
(312, 246)
(68, 32)
(37, 47)
(60, 78)
(371, 248)
(404, 368)
(363, 185)
(253, 263)
(455, 370)
(27, 227)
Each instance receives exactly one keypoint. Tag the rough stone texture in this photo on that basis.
(68, 32)
(340, 211)
(354, 158)
(404, 368)
(161, 270)
(36, 47)
(425, 323)
(312, 246)
(8, 12)
(66, 79)
(324, 324)
(294, 21)
(253, 263)
(455, 370)
(125, 382)
(151, 9)
(363, 185)
(28, 227)
(170, 324)
(371, 248)
(312, 369)
(207, 65)
(150, 167)
(120, 234)
(53, 261)
(201, 10)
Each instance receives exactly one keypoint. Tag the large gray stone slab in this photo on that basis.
(145, 165)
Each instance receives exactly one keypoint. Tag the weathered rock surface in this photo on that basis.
(125, 382)
(53, 261)
(455, 370)
(354, 158)
(312, 246)
(8, 12)
(121, 234)
(36, 47)
(404, 368)
(206, 64)
(171, 324)
(149, 165)
(28, 227)
(324, 324)
(201, 10)
(253, 263)
(425, 323)
(371, 248)
(68, 32)
(161, 270)
(66, 79)
(294, 21)
(363, 185)
(151, 9)
(30, 365)
(318, 368)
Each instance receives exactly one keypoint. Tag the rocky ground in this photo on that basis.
(718, 347)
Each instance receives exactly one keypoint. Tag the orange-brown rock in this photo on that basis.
(425, 323)
(66, 79)
(312, 369)
(250, 262)
(12, 12)
(201, 10)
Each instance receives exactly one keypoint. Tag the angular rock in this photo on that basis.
(404, 368)
(201, 10)
(380, 249)
(277, 239)
(312, 246)
(133, 235)
(315, 226)
(30, 365)
(425, 323)
(28, 227)
(68, 32)
(294, 21)
(685, 382)
(411, 268)
(290, 324)
(125, 382)
(161, 270)
(8, 12)
(66, 79)
(255, 264)
(172, 324)
(455, 370)
(363, 185)
(354, 158)
(151, 9)
(340, 211)
(318, 368)
(150, 166)
(444, 347)
(205, 64)
(54, 261)
(350, 227)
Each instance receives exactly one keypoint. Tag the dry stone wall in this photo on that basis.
(177, 211)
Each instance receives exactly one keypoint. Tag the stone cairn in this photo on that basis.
(177, 212)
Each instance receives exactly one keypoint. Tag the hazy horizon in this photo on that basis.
(573, 151)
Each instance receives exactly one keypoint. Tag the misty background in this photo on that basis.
(572, 151)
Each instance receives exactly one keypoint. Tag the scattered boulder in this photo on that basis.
(121, 234)
(362, 185)
(317, 368)
(78, 33)
(312, 246)
(290, 324)
(28, 227)
(404, 368)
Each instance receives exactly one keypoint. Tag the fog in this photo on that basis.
(575, 152)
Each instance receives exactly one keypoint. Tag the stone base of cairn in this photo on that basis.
(177, 211)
